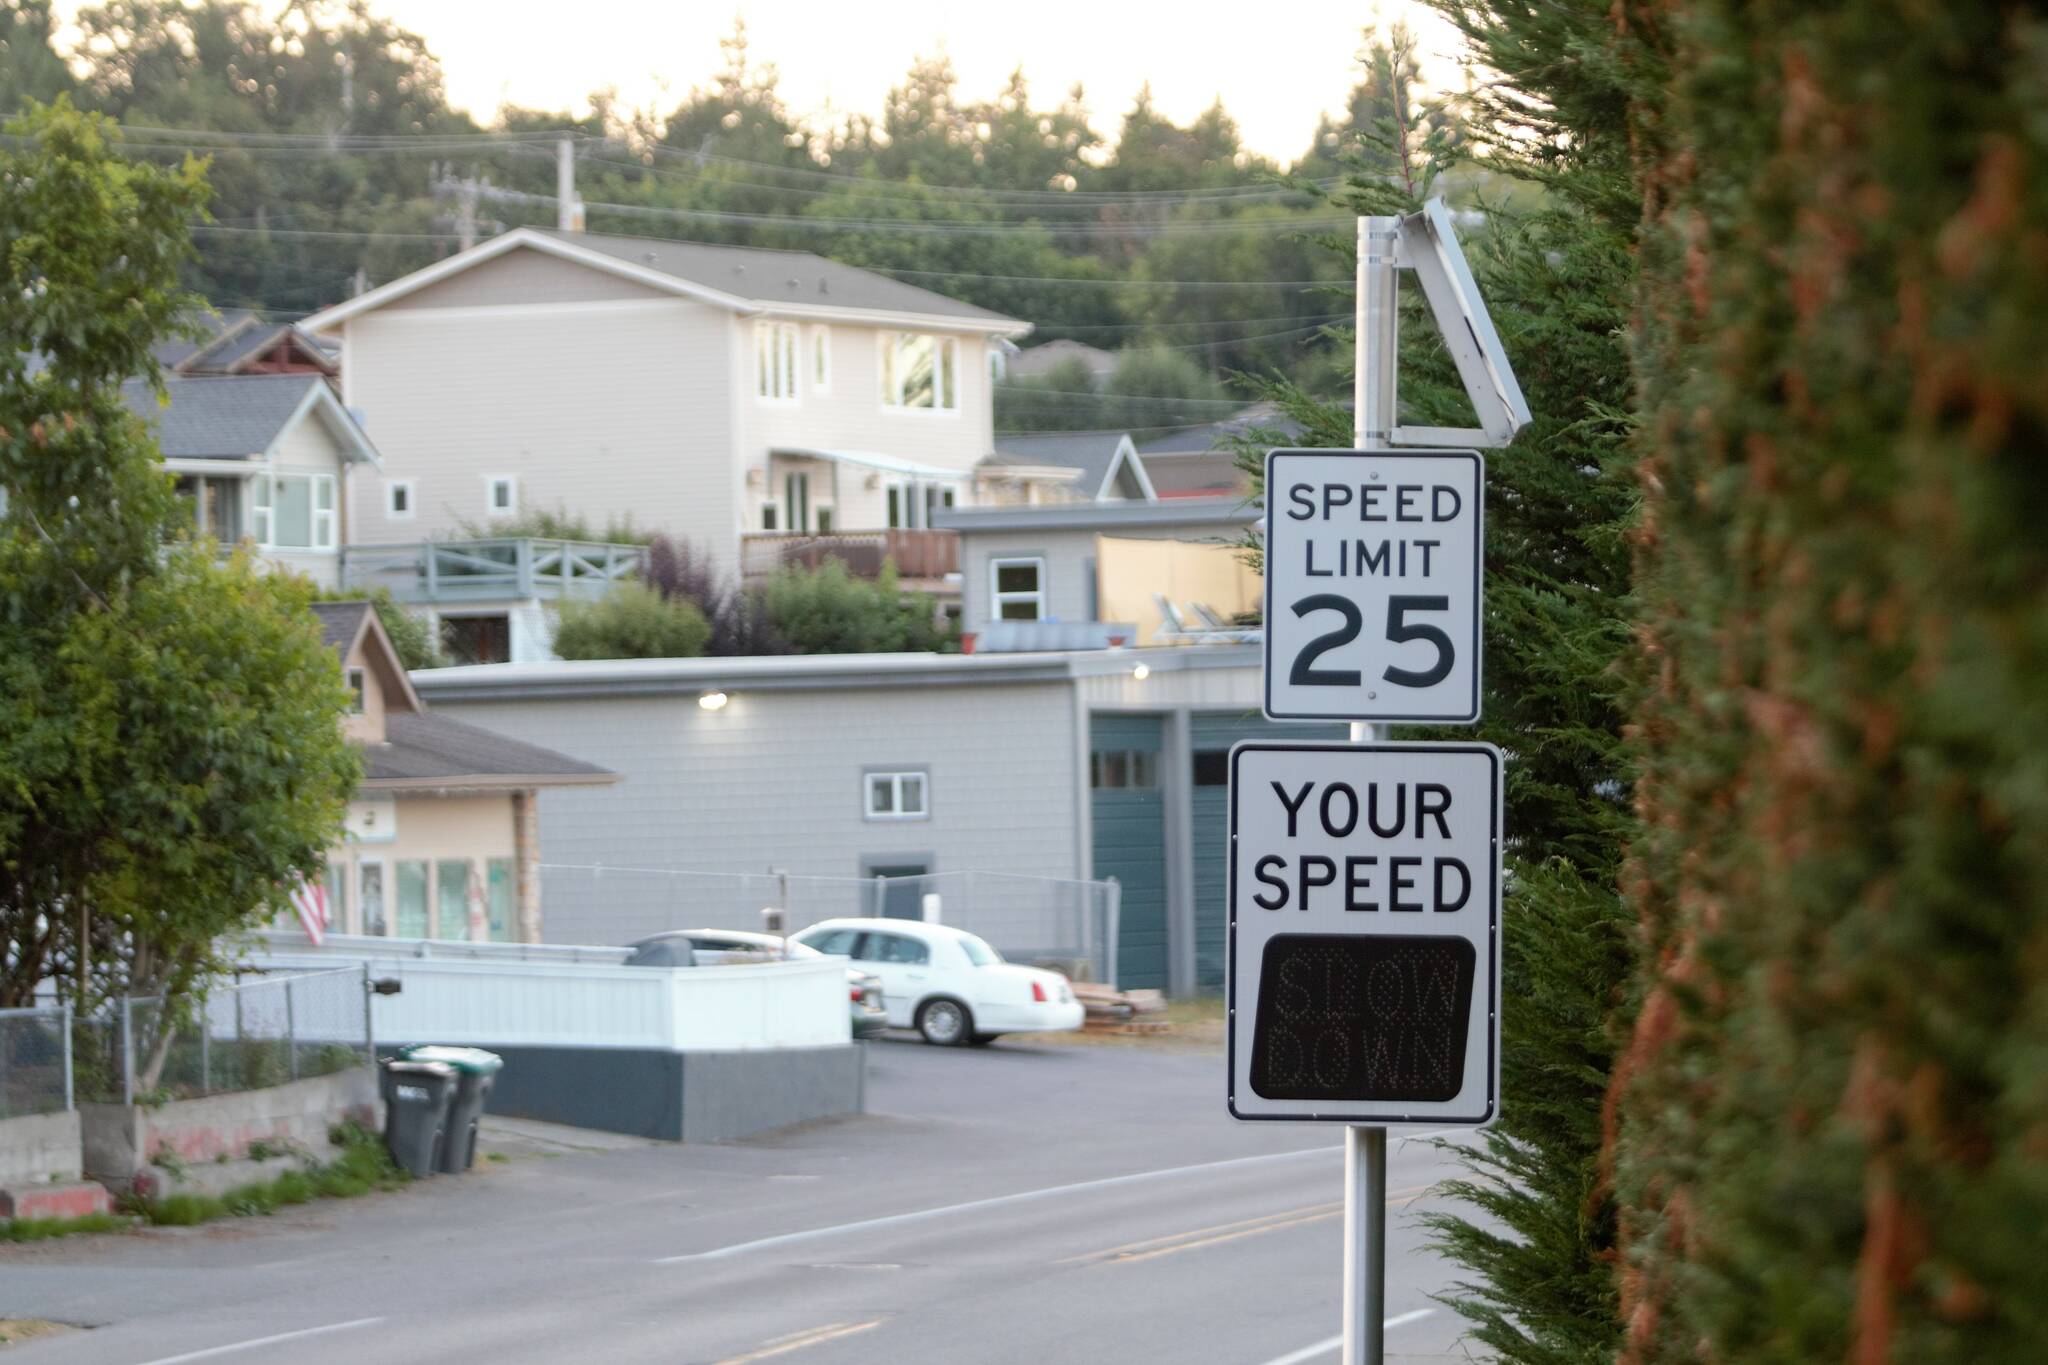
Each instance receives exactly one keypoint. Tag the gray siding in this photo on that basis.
(524, 276)
(774, 780)
(1070, 564)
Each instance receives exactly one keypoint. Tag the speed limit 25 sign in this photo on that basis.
(1373, 585)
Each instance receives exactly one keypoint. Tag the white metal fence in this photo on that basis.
(1058, 921)
(35, 1061)
(242, 1034)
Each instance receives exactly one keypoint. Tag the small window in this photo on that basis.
(477, 639)
(355, 691)
(821, 359)
(1118, 769)
(824, 519)
(775, 351)
(503, 498)
(398, 499)
(767, 516)
(1212, 767)
(1017, 589)
(898, 796)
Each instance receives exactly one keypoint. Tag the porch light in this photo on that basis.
(1141, 672)
(713, 701)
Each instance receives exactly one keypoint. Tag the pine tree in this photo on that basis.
(1537, 1234)
(1831, 1113)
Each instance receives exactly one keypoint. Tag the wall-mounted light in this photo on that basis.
(713, 701)
(1141, 672)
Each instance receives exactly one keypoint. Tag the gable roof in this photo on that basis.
(342, 624)
(744, 279)
(247, 340)
(234, 417)
(1097, 455)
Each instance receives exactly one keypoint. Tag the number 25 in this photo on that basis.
(1400, 630)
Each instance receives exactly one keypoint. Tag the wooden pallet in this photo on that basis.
(1097, 1024)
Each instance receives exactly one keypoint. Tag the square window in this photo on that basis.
(920, 371)
(1017, 589)
(898, 796)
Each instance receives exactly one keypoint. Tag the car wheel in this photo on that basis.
(945, 1023)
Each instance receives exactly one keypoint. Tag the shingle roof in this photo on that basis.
(225, 417)
(1200, 440)
(429, 750)
(340, 623)
(1091, 452)
(769, 277)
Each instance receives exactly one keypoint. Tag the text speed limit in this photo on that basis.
(1373, 585)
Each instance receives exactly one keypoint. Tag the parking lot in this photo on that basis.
(1024, 1202)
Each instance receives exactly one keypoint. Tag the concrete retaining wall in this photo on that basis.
(121, 1141)
(679, 1096)
(39, 1148)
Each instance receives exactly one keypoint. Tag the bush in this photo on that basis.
(632, 621)
(411, 635)
(829, 611)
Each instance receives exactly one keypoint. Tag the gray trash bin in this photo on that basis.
(416, 1099)
(475, 1072)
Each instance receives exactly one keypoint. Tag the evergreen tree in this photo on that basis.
(1832, 1106)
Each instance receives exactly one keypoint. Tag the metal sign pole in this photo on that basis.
(1365, 1148)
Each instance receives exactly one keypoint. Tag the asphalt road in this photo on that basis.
(1019, 1203)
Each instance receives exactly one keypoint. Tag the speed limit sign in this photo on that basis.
(1373, 585)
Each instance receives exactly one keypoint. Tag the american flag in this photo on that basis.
(310, 900)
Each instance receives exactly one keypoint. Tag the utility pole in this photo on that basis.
(1365, 1146)
(568, 210)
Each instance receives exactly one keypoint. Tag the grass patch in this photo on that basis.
(42, 1229)
(362, 1167)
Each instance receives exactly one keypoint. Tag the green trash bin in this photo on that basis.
(475, 1072)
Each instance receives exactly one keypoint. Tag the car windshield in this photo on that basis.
(979, 953)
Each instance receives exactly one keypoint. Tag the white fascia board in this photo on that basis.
(221, 467)
(339, 424)
(887, 318)
(1127, 454)
(328, 319)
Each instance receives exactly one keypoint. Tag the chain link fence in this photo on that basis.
(243, 1034)
(1054, 921)
(35, 1061)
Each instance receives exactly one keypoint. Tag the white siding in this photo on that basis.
(774, 780)
(851, 416)
(611, 409)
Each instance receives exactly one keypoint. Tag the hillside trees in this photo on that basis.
(1832, 1105)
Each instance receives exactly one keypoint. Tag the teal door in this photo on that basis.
(1209, 739)
(1128, 818)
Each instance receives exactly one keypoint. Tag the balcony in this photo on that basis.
(451, 571)
(923, 558)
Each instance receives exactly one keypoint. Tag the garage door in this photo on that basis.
(1210, 738)
(1128, 818)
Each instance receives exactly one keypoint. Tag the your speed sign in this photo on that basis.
(1373, 585)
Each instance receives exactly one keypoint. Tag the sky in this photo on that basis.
(1277, 65)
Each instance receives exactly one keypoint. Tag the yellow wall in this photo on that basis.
(1129, 572)
(430, 828)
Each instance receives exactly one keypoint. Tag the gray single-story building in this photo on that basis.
(1086, 764)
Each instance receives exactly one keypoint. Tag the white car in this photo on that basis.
(947, 984)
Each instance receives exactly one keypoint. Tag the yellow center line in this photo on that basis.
(815, 1336)
(1223, 1232)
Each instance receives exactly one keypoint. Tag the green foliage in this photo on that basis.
(170, 754)
(1537, 1236)
(540, 523)
(828, 611)
(632, 621)
(1830, 1113)
(43, 1229)
(363, 1166)
(412, 636)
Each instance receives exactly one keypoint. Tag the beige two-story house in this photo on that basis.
(740, 399)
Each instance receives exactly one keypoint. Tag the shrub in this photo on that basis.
(632, 621)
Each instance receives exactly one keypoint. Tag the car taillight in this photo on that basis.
(1038, 992)
(856, 994)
